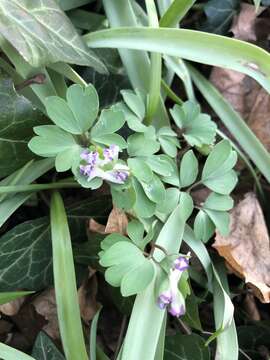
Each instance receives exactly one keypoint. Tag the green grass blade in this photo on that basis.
(6, 297)
(67, 71)
(137, 63)
(93, 336)
(193, 45)
(145, 325)
(68, 310)
(176, 12)
(38, 187)
(223, 308)
(234, 123)
(228, 338)
(178, 66)
(155, 69)
(9, 353)
(23, 177)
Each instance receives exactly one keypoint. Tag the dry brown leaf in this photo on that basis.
(243, 26)
(117, 222)
(251, 308)
(246, 249)
(12, 308)
(244, 94)
(45, 305)
(87, 297)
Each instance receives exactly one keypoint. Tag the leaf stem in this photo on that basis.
(38, 187)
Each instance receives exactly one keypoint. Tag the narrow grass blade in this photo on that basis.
(192, 45)
(68, 310)
(9, 353)
(176, 12)
(228, 338)
(67, 71)
(37, 187)
(137, 63)
(233, 121)
(155, 70)
(93, 336)
(223, 307)
(179, 67)
(14, 201)
(6, 297)
(145, 325)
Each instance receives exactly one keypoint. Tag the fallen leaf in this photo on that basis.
(117, 222)
(246, 249)
(245, 95)
(243, 26)
(87, 297)
(12, 308)
(251, 308)
(45, 305)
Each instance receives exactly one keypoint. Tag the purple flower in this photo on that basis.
(171, 298)
(111, 153)
(105, 165)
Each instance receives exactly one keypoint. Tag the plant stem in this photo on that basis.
(37, 187)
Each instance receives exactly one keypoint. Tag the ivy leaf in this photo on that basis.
(188, 347)
(189, 169)
(44, 349)
(41, 32)
(220, 14)
(27, 262)
(17, 119)
(198, 129)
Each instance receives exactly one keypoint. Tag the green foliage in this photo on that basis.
(220, 14)
(38, 43)
(188, 347)
(17, 118)
(44, 348)
(197, 128)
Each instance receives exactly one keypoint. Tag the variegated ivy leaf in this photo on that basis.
(42, 33)
(198, 129)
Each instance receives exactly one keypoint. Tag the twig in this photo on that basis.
(38, 79)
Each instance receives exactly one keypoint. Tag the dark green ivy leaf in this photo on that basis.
(186, 347)
(219, 15)
(44, 349)
(25, 251)
(17, 118)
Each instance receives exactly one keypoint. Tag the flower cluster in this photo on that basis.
(103, 163)
(171, 298)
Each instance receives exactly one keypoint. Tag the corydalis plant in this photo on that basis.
(171, 298)
(103, 164)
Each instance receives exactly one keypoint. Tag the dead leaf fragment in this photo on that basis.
(243, 26)
(246, 249)
(117, 222)
(12, 308)
(87, 297)
(45, 305)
